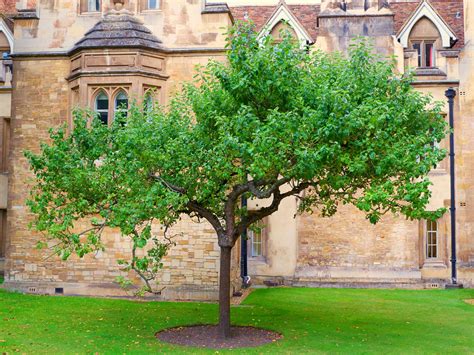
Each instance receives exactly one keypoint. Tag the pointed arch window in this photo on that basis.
(121, 104)
(284, 17)
(148, 102)
(102, 107)
(425, 12)
(425, 39)
(425, 53)
(281, 29)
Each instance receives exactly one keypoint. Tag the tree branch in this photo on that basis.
(208, 215)
(237, 191)
(194, 206)
(268, 192)
(255, 216)
(169, 185)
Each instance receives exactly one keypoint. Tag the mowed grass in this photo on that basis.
(311, 321)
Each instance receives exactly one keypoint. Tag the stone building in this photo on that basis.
(97, 54)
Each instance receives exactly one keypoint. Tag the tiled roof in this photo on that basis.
(7, 10)
(450, 10)
(118, 31)
(216, 8)
(306, 14)
(7, 7)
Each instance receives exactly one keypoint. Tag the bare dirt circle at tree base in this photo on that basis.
(207, 336)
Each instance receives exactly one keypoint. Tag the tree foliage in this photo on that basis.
(272, 121)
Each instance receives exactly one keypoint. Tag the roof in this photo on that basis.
(215, 8)
(307, 15)
(451, 11)
(7, 6)
(118, 30)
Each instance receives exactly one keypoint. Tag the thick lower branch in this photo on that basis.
(253, 187)
(255, 216)
(208, 215)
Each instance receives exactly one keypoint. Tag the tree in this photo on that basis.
(273, 121)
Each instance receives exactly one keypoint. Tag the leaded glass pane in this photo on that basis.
(431, 239)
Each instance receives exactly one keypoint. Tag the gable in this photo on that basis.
(307, 16)
(7, 34)
(283, 14)
(425, 10)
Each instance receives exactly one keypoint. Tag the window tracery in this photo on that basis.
(425, 39)
(102, 106)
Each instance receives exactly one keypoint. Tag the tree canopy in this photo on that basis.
(272, 121)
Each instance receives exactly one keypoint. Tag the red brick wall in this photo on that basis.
(308, 15)
(7, 6)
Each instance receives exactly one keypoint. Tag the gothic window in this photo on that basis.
(102, 107)
(425, 53)
(425, 39)
(148, 103)
(284, 19)
(281, 29)
(431, 240)
(121, 104)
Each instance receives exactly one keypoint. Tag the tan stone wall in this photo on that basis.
(465, 154)
(39, 103)
(5, 103)
(308, 249)
(347, 249)
(178, 24)
(182, 67)
(194, 260)
(347, 242)
(280, 245)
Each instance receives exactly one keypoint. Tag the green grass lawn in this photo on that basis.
(311, 320)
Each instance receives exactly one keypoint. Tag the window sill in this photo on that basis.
(257, 260)
(434, 264)
(150, 11)
(90, 14)
(429, 71)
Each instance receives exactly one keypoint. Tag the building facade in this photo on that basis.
(102, 53)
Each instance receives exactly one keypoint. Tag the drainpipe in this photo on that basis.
(450, 94)
(243, 253)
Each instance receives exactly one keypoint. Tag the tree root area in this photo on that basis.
(207, 336)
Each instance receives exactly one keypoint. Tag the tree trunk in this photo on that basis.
(224, 293)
